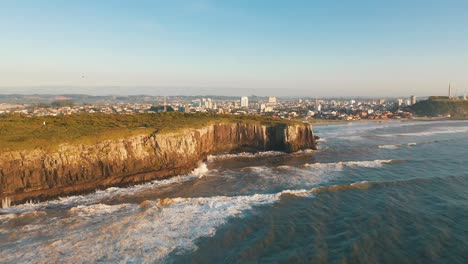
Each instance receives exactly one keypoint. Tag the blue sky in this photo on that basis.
(300, 48)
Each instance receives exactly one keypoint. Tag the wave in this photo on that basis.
(99, 195)
(395, 146)
(426, 133)
(367, 164)
(245, 155)
(201, 170)
(390, 146)
(149, 231)
(129, 232)
(256, 168)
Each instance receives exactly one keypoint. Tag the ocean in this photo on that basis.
(391, 192)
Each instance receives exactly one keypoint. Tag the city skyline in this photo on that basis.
(299, 48)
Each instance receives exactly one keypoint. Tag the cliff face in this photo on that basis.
(40, 174)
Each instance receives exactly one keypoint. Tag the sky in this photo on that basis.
(261, 47)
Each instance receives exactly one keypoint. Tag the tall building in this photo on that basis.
(244, 102)
(413, 100)
(450, 92)
(272, 100)
(318, 108)
(399, 102)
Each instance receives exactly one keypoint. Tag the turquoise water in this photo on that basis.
(394, 192)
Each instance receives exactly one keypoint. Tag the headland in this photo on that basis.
(46, 157)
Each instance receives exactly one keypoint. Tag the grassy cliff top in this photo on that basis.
(30, 132)
(442, 106)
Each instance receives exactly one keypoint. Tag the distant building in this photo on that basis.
(399, 102)
(272, 100)
(413, 100)
(268, 109)
(262, 107)
(381, 101)
(450, 92)
(208, 103)
(244, 102)
(318, 108)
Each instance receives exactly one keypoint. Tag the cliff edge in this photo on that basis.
(78, 167)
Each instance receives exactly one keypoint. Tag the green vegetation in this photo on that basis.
(62, 103)
(437, 106)
(17, 132)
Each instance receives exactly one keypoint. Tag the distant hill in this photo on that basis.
(439, 105)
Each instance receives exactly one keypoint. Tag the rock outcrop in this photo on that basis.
(39, 174)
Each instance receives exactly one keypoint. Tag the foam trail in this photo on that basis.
(367, 164)
(389, 146)
(245, 155)
(427, 133)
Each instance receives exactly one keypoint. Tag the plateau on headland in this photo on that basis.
(42, 158)
(442, 106)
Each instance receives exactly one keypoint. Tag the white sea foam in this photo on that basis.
(201, 170)
(6, 217)
(304, 151)
(96, 210)
(256, 168)
(340, 164)
(427, 133)
(99, 195)
(284, 167)
(390, 146)
(245, 155)
(148, 232)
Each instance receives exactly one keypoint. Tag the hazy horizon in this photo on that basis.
(184, 91)
(278, 48)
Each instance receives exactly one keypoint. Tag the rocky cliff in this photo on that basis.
(73, 168)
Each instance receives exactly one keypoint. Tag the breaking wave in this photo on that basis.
(427, 133)
(367, 164)
(99, 195)
(201, 170)
(390, 146)
(149, 231)
(245, 155)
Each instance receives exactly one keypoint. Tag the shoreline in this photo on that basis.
(103, 184)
